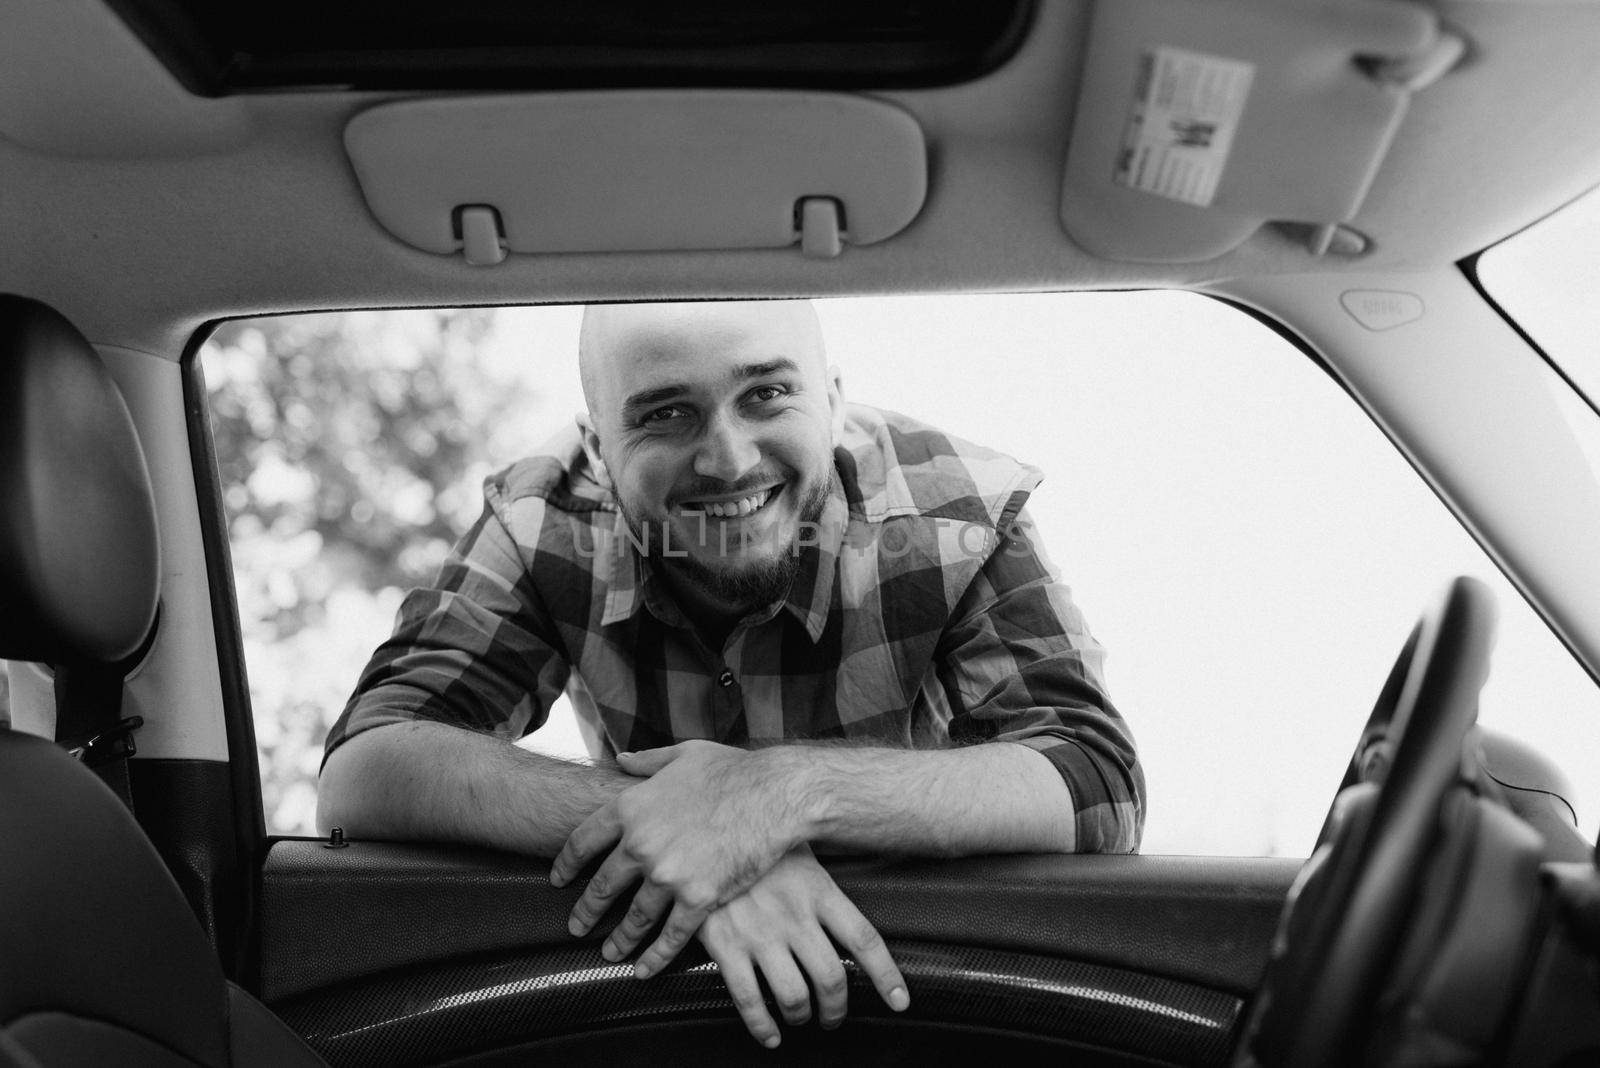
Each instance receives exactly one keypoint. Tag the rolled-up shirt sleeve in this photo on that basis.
(475, 650)
(1018, 664)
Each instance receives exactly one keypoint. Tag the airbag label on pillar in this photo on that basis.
(1186, 107)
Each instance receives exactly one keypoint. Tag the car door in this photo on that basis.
(381, 953)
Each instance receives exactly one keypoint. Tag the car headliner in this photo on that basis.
(142, 211)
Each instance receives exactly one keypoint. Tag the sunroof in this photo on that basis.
(264, 45)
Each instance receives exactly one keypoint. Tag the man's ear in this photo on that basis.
(591, 449)
(836, 403)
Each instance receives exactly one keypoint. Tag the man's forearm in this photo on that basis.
(707, 821)
(431, 782)
(999, 797)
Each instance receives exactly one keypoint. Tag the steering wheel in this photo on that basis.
(1342, 925)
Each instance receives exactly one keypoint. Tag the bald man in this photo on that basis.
(771, 463)
(783, 621)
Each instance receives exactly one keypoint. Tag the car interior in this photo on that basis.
(1333, 168)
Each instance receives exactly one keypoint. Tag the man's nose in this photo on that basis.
(727, 451)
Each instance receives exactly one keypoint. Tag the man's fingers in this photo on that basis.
(649, 761)
(788, 986)
(591, 837)
(826, 972)
(862, 941)
(681, 926)
(614, 876)
(649, 904)
(740, 978)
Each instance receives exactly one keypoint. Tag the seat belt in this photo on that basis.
(89, 719)
(90, 724)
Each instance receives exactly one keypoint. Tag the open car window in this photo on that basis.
(1242, 539)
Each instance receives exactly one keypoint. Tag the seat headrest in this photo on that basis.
(80, 566)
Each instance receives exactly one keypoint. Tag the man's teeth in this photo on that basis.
(742, 507)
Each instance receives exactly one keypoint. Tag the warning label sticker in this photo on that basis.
(1186, 107)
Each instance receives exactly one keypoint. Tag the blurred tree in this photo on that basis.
(357, 429)
(352, 449)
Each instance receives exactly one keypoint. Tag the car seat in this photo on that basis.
(101, 960)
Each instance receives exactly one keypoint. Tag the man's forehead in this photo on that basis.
(631, 341)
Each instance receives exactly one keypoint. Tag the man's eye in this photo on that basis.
(767, 393)
(664, 415)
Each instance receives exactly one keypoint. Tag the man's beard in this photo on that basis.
(752, 585)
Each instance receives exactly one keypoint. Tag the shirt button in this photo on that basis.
(725, 679)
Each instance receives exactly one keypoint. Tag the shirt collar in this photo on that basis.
(811, 593)
(621, 571)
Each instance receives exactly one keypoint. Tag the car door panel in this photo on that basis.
(394, 954)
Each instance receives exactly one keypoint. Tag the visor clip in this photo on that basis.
(1326, 239)
(1415, 72)
(482, 234)
(819, 221)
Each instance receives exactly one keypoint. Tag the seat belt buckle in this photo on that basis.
(113, 743)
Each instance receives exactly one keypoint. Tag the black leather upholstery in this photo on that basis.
(98, 950)
(79, 562)
(101, 961)
(260, 1038)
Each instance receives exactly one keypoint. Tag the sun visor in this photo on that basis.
(1199, 121)
(639, 171)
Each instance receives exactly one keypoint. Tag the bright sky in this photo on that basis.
(1248, 547)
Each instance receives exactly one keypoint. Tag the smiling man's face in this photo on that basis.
(715, 425)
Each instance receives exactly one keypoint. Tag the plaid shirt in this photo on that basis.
(922, 616)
